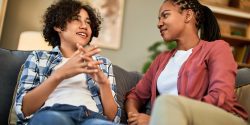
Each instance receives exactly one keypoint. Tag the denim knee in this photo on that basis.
(50, 118)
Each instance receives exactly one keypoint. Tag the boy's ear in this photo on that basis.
(189, 15)
(57, 29)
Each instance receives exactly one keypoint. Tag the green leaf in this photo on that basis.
(155, 46)
(170, 45)
(146, 66)
(155, 50)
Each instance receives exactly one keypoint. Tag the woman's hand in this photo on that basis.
(138, 118)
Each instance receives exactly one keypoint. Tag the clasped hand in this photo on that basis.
(82, 62)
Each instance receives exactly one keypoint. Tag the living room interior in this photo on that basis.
(138, 32)
(139, 29)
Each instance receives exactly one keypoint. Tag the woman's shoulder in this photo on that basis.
(216, 44)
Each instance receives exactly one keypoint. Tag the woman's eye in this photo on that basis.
(165, 15)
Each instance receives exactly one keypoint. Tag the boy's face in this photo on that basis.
(77, 30)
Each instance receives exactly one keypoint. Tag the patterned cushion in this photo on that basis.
(12, 115)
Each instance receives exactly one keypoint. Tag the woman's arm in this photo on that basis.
(132, 106)
(222, 72)
(134, 117)
(142, 93)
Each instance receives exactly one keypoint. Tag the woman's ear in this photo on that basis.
(189, 15)
(57, 29)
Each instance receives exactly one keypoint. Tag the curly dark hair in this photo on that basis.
(58, 14)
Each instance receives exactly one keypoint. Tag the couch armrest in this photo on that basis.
(243, 77)
(243, 96)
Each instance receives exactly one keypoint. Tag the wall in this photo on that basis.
(139, 28)
(3, 5)
(21, 15)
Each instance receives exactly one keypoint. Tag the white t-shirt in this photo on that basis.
(73, 91)
(167, 81)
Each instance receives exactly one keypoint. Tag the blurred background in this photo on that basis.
(137, 28)
(138, 31)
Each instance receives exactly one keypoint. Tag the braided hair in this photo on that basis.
(205, 20)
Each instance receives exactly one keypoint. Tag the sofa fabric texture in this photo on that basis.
(12, 60)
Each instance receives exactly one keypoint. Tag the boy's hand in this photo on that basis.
(93, 65)
(80, 62)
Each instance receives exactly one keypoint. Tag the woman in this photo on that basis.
(196, 80)
(71, 83)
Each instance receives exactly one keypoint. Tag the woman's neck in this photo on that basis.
(188, 42)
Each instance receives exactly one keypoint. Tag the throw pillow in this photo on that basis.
(12, 114)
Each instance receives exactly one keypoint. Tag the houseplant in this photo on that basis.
(155, 49)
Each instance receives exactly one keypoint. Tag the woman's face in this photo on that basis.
(77, 30)
(171, 21)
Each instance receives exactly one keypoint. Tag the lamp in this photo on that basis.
(32, 40)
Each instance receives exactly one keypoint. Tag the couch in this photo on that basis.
(11, 61)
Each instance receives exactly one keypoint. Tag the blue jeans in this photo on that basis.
(62, 114)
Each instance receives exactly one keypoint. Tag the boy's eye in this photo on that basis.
(75, 18)
(88, 21)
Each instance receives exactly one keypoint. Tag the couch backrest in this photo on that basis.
(10, 63)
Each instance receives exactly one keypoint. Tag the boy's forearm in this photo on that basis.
(34, 99)
(109, 105)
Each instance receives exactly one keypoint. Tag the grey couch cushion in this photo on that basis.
(11, 62)
(125, 81)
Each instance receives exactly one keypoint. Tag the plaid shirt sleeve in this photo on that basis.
(29, 79)
(108, 71)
